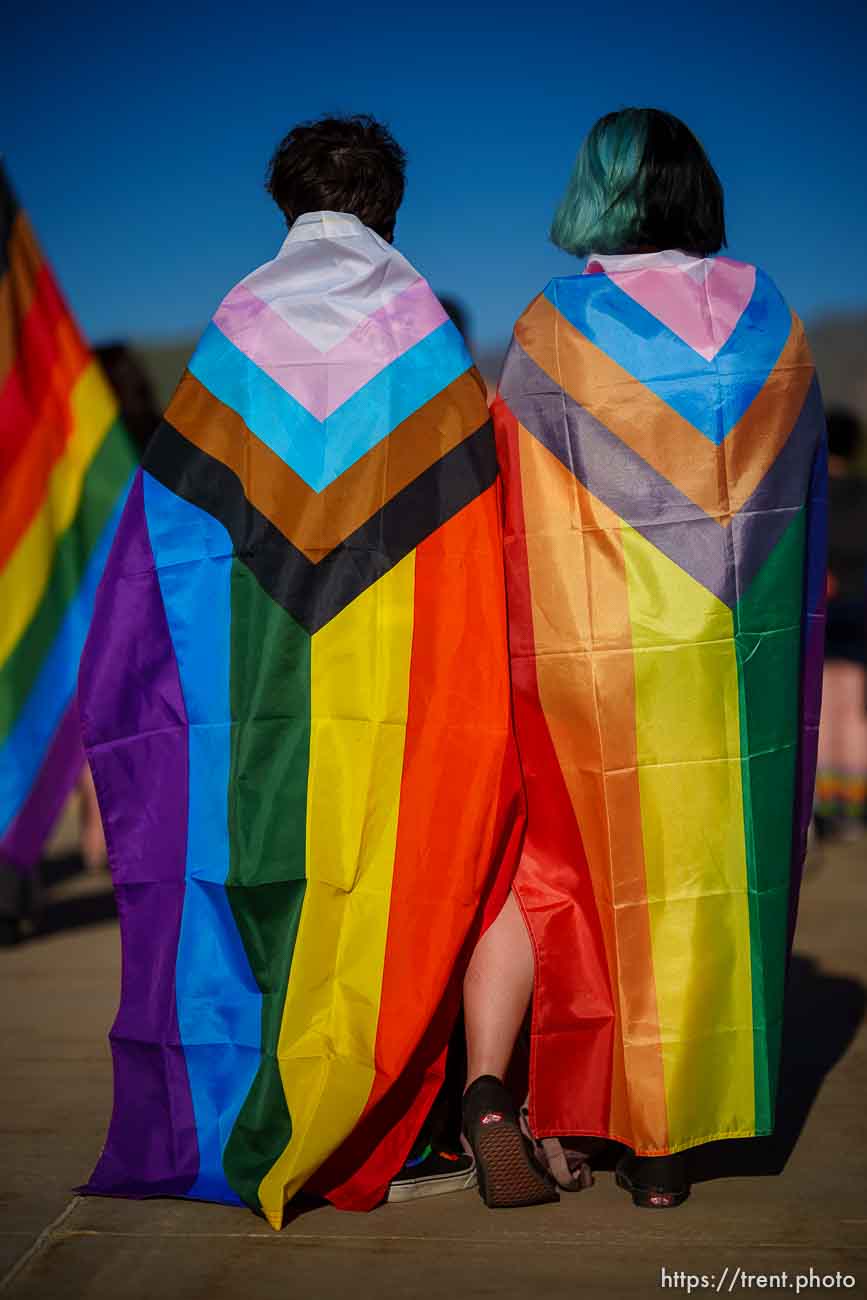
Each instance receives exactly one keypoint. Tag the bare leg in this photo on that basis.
(497, 990)
(93, 849)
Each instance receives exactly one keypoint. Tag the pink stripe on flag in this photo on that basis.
(323, 381)
(24, 841)
(702, 310)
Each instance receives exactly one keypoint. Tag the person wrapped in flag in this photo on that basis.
(295, 700)
(65, 466)
(662, 446)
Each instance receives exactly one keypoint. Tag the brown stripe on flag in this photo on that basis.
(718, 479)
(317, 522)
(314, 593)
(765, 428)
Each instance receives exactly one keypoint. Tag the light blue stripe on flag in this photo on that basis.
(713, 395)
(320, 451)
(219, 1002)
(26, 745)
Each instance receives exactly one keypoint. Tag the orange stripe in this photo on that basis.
(572, 1033)
(458, 747)
(17, 289)
(35, 331)
(759, 436)
(316, 522)
(586, 688)
(44, 430)
(41, 357)
(718, 479)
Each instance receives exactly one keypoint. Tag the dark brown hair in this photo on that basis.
(339, 164)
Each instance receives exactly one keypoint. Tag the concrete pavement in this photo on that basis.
(779, 1206)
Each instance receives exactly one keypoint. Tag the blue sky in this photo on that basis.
(138, 137)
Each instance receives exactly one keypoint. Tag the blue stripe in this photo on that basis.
(320, 451)
(656, 356)
(219, 1002)
(26, 746)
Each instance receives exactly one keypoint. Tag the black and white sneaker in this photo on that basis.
(430, 1172)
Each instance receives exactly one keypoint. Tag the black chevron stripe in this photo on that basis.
(313, 593)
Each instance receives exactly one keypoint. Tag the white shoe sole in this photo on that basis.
(431, 1186)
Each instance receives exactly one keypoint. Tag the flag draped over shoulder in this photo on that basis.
(661, 438)
(65, 466)
(296, 705)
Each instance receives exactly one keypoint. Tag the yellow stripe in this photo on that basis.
(359, 671)
(25, 577)
(688, 729)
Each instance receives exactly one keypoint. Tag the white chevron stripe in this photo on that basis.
(331, 273)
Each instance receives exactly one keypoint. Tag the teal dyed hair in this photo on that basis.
(641, 181)
(601, 209)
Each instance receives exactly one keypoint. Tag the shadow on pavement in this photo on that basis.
(72, 913)
(59, 895)
(823, 1015)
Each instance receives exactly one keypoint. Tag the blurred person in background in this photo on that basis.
(133, 389)
(458, 315)
(660, 436)
(841, 781)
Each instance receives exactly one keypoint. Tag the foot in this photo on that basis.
(569, 1168)
(508, 1174)
(430, 1172)
(654, 1182)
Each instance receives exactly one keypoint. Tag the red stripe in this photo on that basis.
(569, 1072)
(455, 845)
(50, 354)
(36, 422)
(34, 336)
(35, 342)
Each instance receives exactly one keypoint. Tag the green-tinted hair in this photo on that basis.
(641, 180)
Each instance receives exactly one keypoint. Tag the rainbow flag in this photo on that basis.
(661, 439)
(296, 706)
(65, 466)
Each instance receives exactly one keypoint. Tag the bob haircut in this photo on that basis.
(339, 164)
(641, 182)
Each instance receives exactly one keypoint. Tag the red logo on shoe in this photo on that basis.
(492, 1117)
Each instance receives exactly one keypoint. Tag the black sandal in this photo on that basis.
(654, 1182)
(507, 1172)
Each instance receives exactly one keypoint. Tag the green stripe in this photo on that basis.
(270, 702)
(109, 472)
(768, 644)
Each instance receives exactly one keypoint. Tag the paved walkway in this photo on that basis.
(789, 1205)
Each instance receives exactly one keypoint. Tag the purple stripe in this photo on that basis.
(135, 731)
(768, 512)
(24, 841)
(725, 560)
(620, 477)
(812, 657)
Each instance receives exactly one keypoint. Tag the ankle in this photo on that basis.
(475, 1076)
